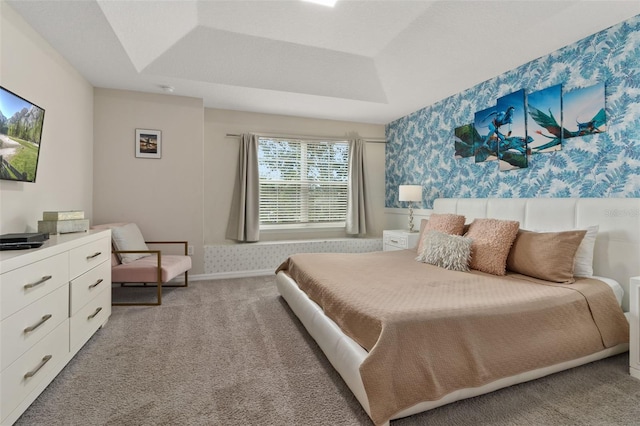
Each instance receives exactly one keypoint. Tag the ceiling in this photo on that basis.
(365, 61)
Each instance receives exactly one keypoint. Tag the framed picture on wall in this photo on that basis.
(148, 143)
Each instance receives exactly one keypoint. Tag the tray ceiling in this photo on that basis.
(365, 61)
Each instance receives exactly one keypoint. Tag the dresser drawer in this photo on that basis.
(399, 240)
(88, 285)
(23, 286)
(88, 256)
(90, 318)
(40, 363)
(26, 327)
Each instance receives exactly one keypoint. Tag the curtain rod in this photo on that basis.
(273, 135)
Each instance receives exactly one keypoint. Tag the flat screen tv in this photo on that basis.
(20, 135)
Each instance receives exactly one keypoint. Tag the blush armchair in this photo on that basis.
(134, 264)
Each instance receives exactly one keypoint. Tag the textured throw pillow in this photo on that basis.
(583, 262)
(128, 237)
(545, 255)
(492, 239)
(423, 224)
(446, 251)
(446, 223)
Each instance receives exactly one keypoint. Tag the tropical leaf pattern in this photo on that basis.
(420, 146)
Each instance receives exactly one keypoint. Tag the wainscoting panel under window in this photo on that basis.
(236, 260)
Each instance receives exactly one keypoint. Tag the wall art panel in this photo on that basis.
(583, 111)
(545, 124)
(601, 162)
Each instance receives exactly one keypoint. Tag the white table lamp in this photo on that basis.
(410, 193)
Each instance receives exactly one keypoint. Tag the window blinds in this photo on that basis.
(302, 181)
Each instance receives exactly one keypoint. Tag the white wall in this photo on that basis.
(221, 159)
(30, 67)
(163, 196)
(87, 157)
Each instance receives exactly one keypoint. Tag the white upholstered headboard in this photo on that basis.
(617, 249)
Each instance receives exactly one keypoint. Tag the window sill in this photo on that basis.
(303, 227)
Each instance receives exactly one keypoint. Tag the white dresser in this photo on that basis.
(399, 239)
(52, 300)
(634, 322)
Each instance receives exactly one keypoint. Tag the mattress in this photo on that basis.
(617, 289)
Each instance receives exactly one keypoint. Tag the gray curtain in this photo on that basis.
(244, 217)
(358, 212)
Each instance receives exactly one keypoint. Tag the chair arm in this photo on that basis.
(186, 244)
(136, 251)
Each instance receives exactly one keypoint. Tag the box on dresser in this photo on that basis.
(63, 226)
(52, 300)
(63, 215)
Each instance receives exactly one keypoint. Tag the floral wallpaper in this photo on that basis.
(420, 148)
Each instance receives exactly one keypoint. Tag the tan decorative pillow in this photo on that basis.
(446, 223)
(423, 224)
(492, 239)
(545, 255)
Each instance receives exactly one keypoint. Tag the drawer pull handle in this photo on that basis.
(94, 255)
(38, 324)
(93, 315)
(96, 283)
(35, 370)
(37, 283)
(394, 241)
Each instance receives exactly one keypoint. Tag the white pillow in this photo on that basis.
(446, 251)
(583, 262)
(129, 237)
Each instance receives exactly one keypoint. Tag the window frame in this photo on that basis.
(304, 143)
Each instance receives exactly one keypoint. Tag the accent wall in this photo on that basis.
(420, 146)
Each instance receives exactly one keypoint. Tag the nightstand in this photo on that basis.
(634, 322)
(399, 239)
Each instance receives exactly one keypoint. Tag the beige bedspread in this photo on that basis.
(430, 331)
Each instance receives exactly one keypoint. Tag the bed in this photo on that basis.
(459, 372)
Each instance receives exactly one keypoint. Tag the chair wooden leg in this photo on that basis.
(159, 295)
(186, 282)
(159, 284)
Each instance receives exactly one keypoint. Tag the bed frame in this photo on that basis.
(616, 255)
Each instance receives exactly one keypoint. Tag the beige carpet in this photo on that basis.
(230, 352)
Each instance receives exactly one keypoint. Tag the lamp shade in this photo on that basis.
(410, 193)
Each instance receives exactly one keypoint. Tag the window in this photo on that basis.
(302, 182)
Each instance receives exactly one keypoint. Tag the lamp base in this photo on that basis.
(411, 217)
